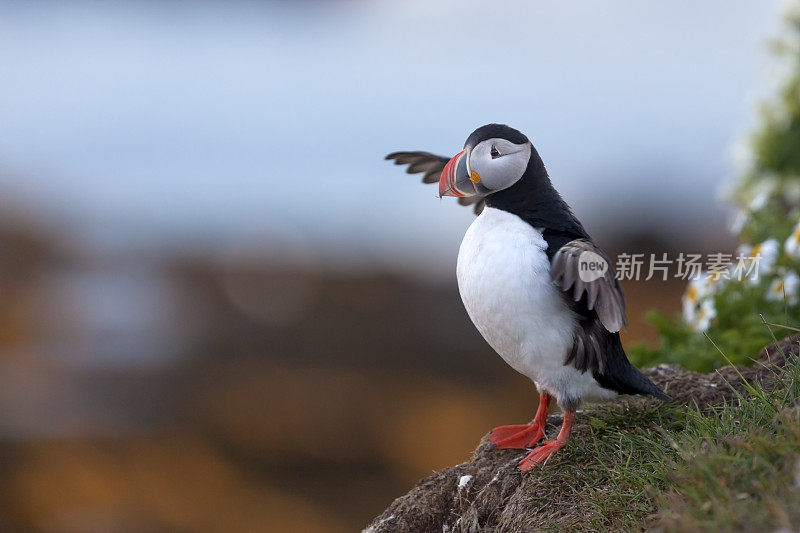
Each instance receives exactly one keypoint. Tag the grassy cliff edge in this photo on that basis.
(725, 454)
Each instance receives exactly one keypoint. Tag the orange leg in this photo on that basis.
(544, 451)
(521, 436)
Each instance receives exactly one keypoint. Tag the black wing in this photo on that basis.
(603, 295)
(431, 165)
(600, 303)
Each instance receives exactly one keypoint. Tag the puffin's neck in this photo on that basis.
(534, 199)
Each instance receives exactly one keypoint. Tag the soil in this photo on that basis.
(487, 493)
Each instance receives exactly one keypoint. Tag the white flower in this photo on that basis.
(765, 254)
(700, 317)
(739, 220)
(697, 290)
(786, 287)
(698, 301)
(689, 310)
(792, 244)
(759, 201)
(762, 191)
(700, 287)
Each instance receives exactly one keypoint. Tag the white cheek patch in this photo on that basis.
(500, 172)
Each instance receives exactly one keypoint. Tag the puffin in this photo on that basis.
(542, 294)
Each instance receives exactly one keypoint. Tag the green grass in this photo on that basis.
(731, 467)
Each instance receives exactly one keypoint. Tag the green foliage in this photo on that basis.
(767, 195)
(738, 329)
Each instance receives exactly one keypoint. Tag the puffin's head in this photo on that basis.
(494, 158)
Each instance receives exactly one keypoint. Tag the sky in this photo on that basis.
(210, 124)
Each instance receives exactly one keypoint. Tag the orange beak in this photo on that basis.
(455, 179)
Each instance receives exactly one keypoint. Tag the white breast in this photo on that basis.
(504, 280)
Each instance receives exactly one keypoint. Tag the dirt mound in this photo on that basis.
(488, 493)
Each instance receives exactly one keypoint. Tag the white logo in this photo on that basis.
(591, 266)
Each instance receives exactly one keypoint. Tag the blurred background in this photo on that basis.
(221, 310)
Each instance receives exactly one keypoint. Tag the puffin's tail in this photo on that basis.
(643, 385)
(620, 375)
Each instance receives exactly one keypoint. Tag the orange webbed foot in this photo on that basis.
(517, 436)
(521, 436)
(538, 455)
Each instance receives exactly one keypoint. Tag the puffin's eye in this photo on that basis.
(494, 153)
